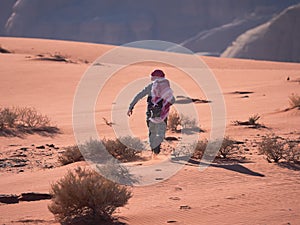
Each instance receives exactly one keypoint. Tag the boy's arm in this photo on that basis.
(139, 96)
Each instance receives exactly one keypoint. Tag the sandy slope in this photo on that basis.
(247, 193)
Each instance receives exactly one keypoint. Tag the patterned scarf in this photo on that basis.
(161, 91)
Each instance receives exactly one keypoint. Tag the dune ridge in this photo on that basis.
(232, 192)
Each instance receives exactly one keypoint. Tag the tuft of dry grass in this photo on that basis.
(294, 101)
(70, 155)
(83, 196)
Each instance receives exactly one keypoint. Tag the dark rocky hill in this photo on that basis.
(276, 40)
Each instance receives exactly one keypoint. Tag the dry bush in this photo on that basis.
(200, 149)
(85, 197)
(173, 121)
(294, 101)
(272, 147)
(228, 147)
(8, 118)
(30, 117)
(188, 123)
(70, 155)
(125, 149)
(293, 153)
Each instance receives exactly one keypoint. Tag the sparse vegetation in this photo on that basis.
(70, 155)
(176, 121)
(8, 118)
(85, 197)
(294, 101)
(200, 149)
(125, 149)
(173, 121)
(277, 149)
(18, 120)
(188, 123)
(30, 117)
(251, 122)
(227, 149)
(272, 148)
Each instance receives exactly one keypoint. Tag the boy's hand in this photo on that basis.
(129, 113)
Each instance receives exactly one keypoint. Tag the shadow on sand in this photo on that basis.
(21, 132)
(235, 166)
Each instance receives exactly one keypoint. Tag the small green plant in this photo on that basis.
(294, 100)
(70, 155)
(83, 196)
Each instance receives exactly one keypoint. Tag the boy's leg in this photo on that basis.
(156, 135)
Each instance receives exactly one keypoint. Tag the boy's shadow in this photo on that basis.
(236, 167)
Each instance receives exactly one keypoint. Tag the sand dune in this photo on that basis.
(255, 192)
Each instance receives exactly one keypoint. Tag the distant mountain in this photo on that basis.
(6, 9)
(276, 40)
(201, 25)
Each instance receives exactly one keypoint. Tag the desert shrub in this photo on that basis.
(228, 147)
(186, 122)
(70, 155)
(8, 118)
(200, 149)
(85, 197)
(272, 147)
(292, 152)
(125, 149)
(94, 150)
(173, 121)
(294, 101)
(30, 117)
